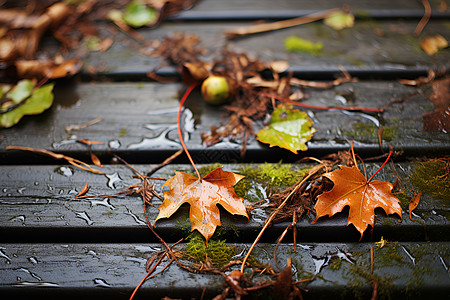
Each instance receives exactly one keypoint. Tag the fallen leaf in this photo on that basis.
(203, 195)
(83, 191)
(432, 44)
(90, 142)
(352, 189)
(297, 44)
(23, 99)
(413, 203)
(339, 20)
(439, 119)
(381, 243)
(95, 160)
(289, 129)
(138, 14)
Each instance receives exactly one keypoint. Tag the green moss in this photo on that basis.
(404, 199)
(123, 132)
(217, 251)
(387, 256)
(364, 277)
(335, 265)
(369, 132)
(242, 187)
(274, 174)
(431, 177)
(297, 44)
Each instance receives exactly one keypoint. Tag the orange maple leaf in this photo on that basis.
(362, 196)
(203, 195)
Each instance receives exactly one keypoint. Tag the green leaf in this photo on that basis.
(21, 91)
(340, 20)
(296, 44)
(289, 129)
(40, 100)
(137, 14)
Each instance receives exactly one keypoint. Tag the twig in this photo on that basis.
(259, 28)
(165, 162)
(186, 94)
(275, 212)
(426, 17)
(371, 260)
(70, 128)
(348, 108)
(75, 162)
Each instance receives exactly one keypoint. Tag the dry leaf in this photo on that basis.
(432, 44)
(83, 191)
(203, 195)
(413, 203)
(95, 160)
(89, 142)
(351, 188)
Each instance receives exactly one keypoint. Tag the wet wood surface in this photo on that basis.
(53, 245)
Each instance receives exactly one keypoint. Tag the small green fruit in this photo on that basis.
(215, 90)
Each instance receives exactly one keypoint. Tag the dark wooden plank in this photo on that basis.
(214, 6)
(140, 124)
(359, 49)
(94, 271)
(37, 204)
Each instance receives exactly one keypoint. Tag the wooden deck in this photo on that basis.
(55, 246)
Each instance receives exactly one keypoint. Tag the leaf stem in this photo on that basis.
(387, 159)
(183, 99)
(348, 108)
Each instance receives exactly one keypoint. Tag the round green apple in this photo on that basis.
(215, 90)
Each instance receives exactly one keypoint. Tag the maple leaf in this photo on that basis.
(203, 195)
(362, 196)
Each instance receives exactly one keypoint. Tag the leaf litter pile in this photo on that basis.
(252, 91)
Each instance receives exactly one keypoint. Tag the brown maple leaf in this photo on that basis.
(362, 196)
(203, 195)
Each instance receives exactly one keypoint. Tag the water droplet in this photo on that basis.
(147, 248)
(30, 273)
(101, 283)
(136, 219)
(104, 202)
(20, 190)
(36, 183)
(2, 254)
(320, 262)
(160, 126)
(19, 278)
(114, 144)
(113, 179)
(68, 141)
(83, 215)
(65, 171)
(409, 255)
(160, 141)
(443, 263)
(33, 260)
(92, 252)
(37, 284)
(18, 219)
(341, 99)
(364, 115)
(4, 190)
